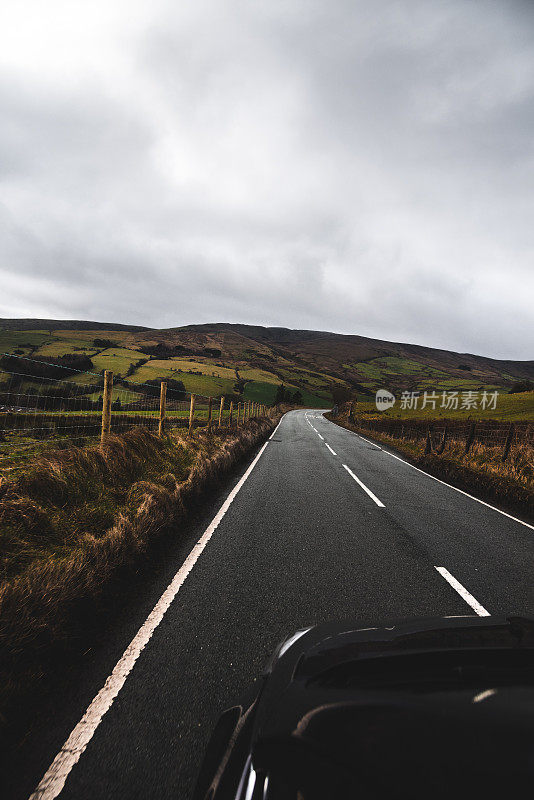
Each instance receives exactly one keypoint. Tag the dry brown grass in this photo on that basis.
(77, 517)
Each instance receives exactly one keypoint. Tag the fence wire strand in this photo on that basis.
(38, 411)
(467, 433)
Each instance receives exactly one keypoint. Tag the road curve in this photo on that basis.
(326, 526)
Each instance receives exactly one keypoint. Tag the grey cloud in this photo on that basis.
(353, 166)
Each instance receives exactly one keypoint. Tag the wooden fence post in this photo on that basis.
(191, 415)
(162, 404)
(428, 443)
(231, 413)
(470, 437)
(221, 412)
(441, 447)
(106, 406)
(508, 442)
(210, 403)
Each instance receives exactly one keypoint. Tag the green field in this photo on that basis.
(258, 375)
(53, 349)
(116, 359)
(382, 370)
(263, 392)
(190, 365)
(207, 385)
(21, 340)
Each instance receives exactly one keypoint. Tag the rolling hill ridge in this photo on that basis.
(252, 361)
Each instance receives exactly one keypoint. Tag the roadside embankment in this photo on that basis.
(73, 520)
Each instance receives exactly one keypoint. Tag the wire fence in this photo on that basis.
(441, 435)
(45, 405)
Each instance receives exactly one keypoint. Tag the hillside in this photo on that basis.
(252, 361)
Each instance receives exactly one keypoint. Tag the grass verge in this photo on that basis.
(74, 520)
(480, 472)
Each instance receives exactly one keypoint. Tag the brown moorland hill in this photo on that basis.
(315, 362)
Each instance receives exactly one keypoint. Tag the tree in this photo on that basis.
(297, 399)
(280, 394)
(340, 394)
(116, 405)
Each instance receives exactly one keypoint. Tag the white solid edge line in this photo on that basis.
(54, 778)
(368, 441)
(482, 502)
(332, 451)
(466, 494)
(462, 591)
(364, 487)
(272, 434)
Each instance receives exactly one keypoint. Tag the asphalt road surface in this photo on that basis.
(326, 525)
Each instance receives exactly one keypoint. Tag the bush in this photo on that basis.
(521, 386)
(153, 386)
(59, 367)
(133, 367)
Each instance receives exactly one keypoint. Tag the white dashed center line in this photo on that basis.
(462, 591)
(364, 487)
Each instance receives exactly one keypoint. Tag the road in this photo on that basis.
(326, 525)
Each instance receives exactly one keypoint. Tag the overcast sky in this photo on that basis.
(349, 165)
